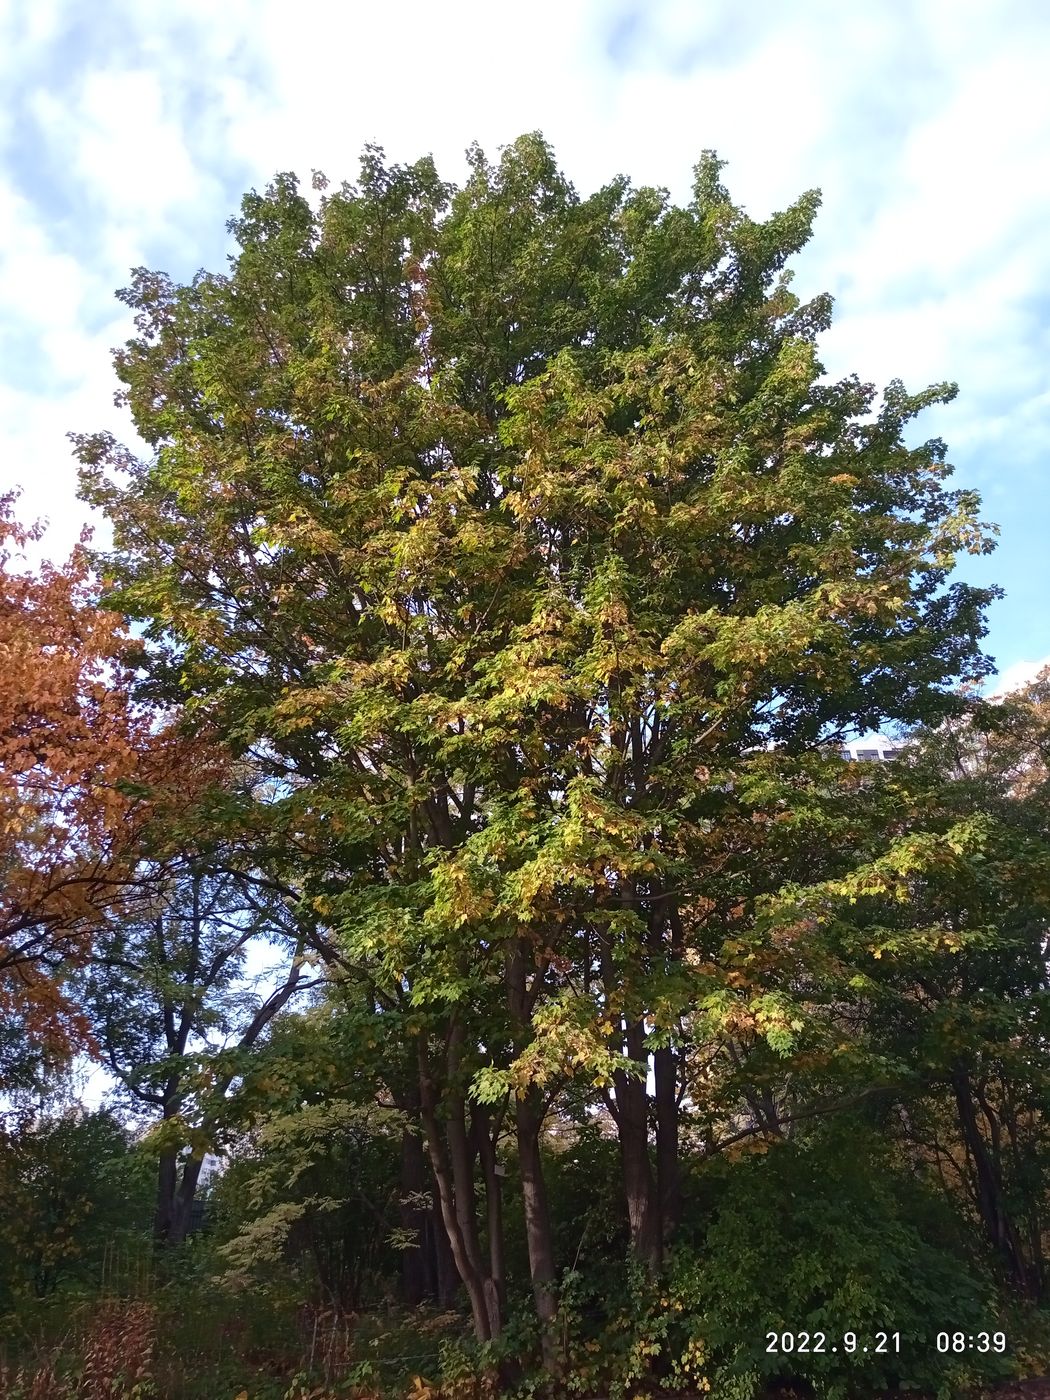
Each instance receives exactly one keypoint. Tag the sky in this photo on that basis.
(129, 131)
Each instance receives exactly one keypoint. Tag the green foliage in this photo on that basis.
(313, 1190)
(73, 1188)
(827, 1236)
(519, 549)
(501, 531)
(831, 1236)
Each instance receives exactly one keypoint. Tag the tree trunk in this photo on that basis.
(528, 1121)
(413, 1216)
(184, 1198)
(632, 1111)
(167, 1180)
(481, 1127)
(466, 1263)
(461, 1159)
(452, 1166)
(668, 1172)
(988, 1189)
(175, 1196)
(447, 1281)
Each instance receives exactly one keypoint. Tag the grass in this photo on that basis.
(186, 1341)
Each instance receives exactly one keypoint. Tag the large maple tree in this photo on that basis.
(503, 528)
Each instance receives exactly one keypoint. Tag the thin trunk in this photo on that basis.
(667, 941)
(668, 1171)
(451, 1164)
(466, 1265)
(632, 1112)
(413, 1216)
(481, 1128)
(461, 1159)
(1035, 1230)
(447, 1281)
(528, 1121)
(988, 1187)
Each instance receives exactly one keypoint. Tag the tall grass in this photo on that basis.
(158, 1327)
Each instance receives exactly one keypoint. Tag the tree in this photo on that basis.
(90, 781)
(972, 974)
(313, 1173)
(70, 739)
(175, 1013)
(72, 1186)
(504, 528)
(940, 933)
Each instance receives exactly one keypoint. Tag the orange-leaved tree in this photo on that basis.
(82, 768)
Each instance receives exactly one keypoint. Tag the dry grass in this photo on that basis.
(114, 1360)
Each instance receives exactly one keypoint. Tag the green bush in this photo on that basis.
(77, 1194)
(827, 1237)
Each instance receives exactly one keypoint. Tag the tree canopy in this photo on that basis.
(530, 569)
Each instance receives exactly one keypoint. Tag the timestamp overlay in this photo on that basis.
(861, 1344)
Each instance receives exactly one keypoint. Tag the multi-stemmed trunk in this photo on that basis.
(452, 1165)
(988, 1190)
(455, 1144)
(427, 1267)
(651, 1199)
(176, 1192)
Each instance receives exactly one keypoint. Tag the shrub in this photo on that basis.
(828, 1237)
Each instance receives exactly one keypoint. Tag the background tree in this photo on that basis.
(83, 769)
(314, 1183)
(73, 1188)
(175, 1008)
(940, 935)
(974, 992)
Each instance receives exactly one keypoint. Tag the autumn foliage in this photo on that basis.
(533, 574)
(82, 770)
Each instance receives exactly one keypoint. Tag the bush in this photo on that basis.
(829, 1237)
(75, 1193)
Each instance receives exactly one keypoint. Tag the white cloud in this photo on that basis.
(1020, 674)
(125, 150)
(926, 124)
(36, 452)
(39, 283)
